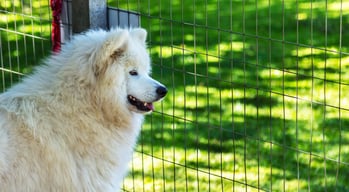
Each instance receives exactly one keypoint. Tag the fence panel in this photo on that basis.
(258, 96)
(24, 37)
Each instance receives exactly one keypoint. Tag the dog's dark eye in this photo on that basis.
(133, 73)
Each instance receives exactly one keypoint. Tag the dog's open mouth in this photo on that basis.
(141, 105)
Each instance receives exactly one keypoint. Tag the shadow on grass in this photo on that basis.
(20, 56)
(254, 84)
(25, 39)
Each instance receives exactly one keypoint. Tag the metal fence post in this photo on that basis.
(88, 14)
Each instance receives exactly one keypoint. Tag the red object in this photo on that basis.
(56, 6)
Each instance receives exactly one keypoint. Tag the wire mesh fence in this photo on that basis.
(24, 37)
(259, 97)
(258, 91)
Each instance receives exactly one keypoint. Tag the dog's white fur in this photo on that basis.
(69, 125)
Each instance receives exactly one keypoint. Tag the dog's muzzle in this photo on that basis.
(161, 92)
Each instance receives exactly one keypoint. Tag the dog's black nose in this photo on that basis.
(161, 91)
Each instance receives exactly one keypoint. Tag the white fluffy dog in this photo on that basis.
(72, 124)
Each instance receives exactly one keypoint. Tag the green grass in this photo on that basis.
(24, 38)
(232, 119)
(243, 112)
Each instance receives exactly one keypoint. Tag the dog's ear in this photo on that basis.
(116, 43)
(114, 46)
(140, 34)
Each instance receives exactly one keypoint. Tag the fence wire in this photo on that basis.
(24, 37)
(258, 91)
(258, 96)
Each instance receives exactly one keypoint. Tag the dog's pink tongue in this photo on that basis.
(150, 106)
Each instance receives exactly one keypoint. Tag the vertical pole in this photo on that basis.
(80, 16)
(98, 14)
(88, 14)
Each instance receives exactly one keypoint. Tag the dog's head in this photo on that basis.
(122, 70)
(142, 90)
